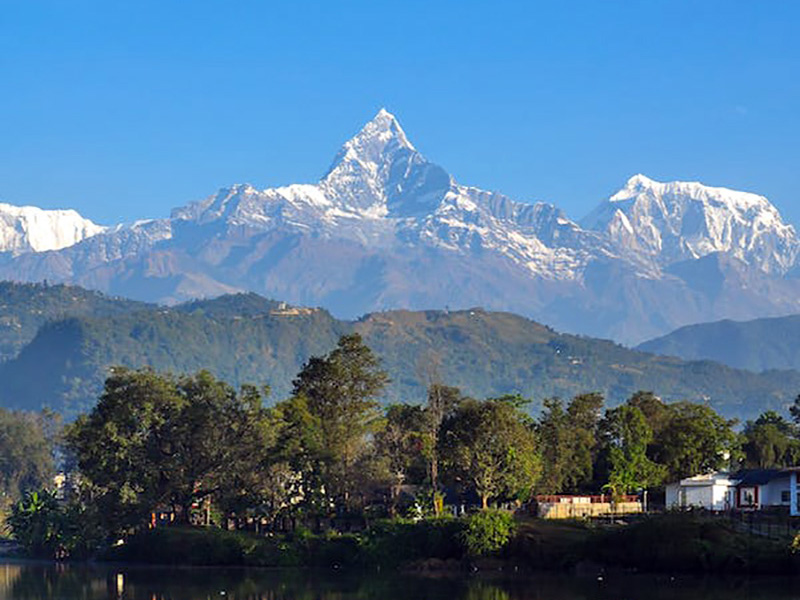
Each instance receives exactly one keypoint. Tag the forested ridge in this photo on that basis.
(249, 339)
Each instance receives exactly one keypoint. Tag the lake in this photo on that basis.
(66, 582)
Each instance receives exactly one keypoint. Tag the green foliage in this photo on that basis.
(770, 442)
(625, 437)
(37, 523)
(154, 440)
(696, 439)
(340, 392)
(487, 532)
(490, 447)
(26, 454)
(568, 440)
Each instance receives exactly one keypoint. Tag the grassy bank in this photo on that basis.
(389, 544)
(668, 543)
(692, 544)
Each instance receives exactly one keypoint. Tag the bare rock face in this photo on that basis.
(385, 228)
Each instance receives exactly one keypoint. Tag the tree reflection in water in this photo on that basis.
(67, 582)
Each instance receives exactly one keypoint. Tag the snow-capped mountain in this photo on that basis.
(386, 228)
(31, 229)
(677, 221)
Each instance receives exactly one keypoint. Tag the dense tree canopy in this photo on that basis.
(157, 441)
(490, 447)
(26, 454)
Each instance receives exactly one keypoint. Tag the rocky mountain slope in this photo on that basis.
(385, 228)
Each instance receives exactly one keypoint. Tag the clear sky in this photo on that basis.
(126, 109)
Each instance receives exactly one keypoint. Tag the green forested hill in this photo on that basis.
(758, 345)
(25, 307)
(248, 339)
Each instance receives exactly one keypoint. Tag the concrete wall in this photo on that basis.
(563, 510)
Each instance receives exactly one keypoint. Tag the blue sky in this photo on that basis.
(124, 110)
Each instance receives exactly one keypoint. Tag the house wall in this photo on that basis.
(671, 497)
(770, 494)
(709, 495)
(699, 496)
(723, 496)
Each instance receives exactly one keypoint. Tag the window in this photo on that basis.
(785, 496)
(747, 496)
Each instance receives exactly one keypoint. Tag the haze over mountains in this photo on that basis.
(58, 343)
(386, 229)
(757, 345)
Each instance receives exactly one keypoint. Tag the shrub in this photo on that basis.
(487, 532)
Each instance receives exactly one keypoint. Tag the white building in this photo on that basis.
(714, 491)
(748, 489)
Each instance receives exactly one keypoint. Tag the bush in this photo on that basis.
(37, 524)
(487, 532)
(397, 541)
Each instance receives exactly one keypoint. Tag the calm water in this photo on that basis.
(47, 582)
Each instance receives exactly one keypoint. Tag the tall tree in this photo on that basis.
(26, 454)
(442, 401)
(625, 435)
(583, 416)
(401, 442)
(341, 391)
(490, 447)
(554, 439)
(696, 440)
(770, 442)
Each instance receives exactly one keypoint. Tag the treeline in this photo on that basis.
(196, 449)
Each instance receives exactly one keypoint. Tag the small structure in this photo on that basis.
(712, 491)
(579, 507)
(747, 489)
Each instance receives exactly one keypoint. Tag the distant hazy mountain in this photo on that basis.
(385, 229)
(757, 345)
(248, 339)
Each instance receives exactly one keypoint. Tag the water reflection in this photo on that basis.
(67, 582)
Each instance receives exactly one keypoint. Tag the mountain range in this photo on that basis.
(757, 345)
(385, 228)
(61, 340)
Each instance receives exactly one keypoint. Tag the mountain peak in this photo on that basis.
(378, 142)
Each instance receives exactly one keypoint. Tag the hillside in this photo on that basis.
(24, 308)
(757, 345)
(248, 339)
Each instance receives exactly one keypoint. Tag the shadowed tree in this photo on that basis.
(490, 447)
(340, 392)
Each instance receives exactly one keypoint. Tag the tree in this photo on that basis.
(625, 436)
(215, 445)
(400, 445)
(696, 440)
(583, 417)
(490, 447)
(553, 433)
(568, 438)
(769, 441)
(442, 401)
(340, 392)
(26, 454)
(153, 440)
